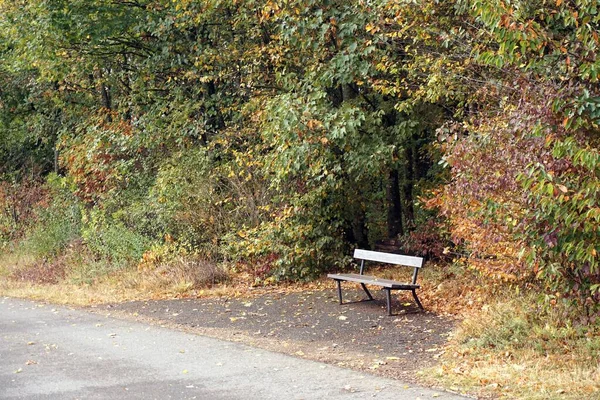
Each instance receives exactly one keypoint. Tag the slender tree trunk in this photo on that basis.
(407, 187)
(394, 209)
(56, 154)
(106, 98)
(359, 229)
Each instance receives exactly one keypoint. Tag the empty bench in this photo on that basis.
(386, 284)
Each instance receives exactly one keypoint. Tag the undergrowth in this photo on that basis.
(513, 348)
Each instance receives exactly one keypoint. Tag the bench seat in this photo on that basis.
(373, 280)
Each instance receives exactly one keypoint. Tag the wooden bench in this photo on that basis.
(386, 284)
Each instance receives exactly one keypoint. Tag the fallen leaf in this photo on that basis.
(349, 388)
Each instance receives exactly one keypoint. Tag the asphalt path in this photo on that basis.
(52, 352)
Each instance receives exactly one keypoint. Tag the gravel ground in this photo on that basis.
(311, 324)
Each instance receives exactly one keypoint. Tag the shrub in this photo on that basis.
(428, 240)
(115, 244)
(58, 223)
(18, 203)
(187, 199)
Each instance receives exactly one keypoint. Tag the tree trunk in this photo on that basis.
(56, 154)
(106, 98)
(407, 187)
(394, 209)
(359, 230)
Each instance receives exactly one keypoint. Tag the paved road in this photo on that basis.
(50, 352)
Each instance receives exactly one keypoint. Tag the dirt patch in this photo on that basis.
(311, 324)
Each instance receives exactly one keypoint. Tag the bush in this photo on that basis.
(428, 240)
(18, 203)
(59, 223)
(115, 244)
(185, 198)
(561, 225)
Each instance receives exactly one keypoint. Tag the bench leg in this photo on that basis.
(366, 291)
(414, 293)
(339, 289)
(388, 295)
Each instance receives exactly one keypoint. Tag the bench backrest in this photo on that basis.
(388, 258)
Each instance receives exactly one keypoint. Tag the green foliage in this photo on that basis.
(565, 216)
(58, 224)
(185, 196)
(114, 244)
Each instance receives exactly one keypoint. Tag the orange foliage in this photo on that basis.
(484, 203)
(92, 158)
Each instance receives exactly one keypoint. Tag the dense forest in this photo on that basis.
(189, 137)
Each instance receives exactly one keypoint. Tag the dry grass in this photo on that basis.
(522, 375)
(509, 348)
(179, 278)
(182, 274)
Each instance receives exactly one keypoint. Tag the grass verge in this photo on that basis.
(510, 348)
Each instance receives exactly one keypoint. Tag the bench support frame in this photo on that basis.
(388, 295)
(339, 290)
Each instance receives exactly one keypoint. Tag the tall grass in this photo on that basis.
(513, 348)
